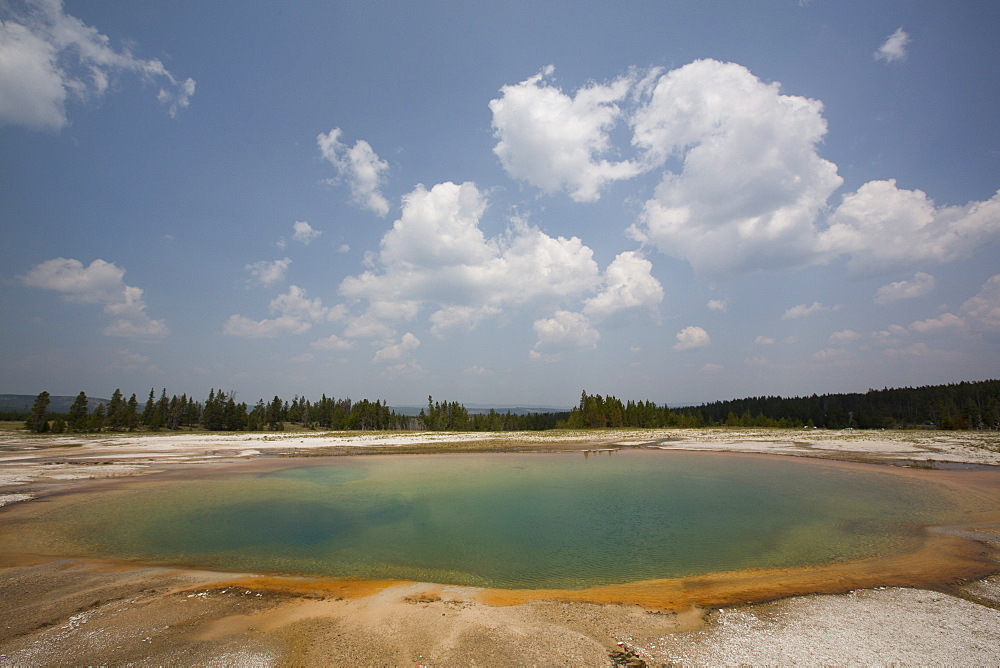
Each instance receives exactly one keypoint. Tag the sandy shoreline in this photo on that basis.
(73, 612)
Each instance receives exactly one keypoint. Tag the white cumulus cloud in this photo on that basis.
(269, 273)
(360, 167)
(882, 227)
(565, 330)
(893, 49)
(628, 285)
(396, 351)
(751, 182)
(893, 336)
(304, 233)
(48, 56)
(719, 305)
(555, 141)
(460, 320)
(99, 283)
(294, 313)
(692, 337)
(943, 322)
(921, 285)
(743, 187)
(332, 342)
(436, 255)
(983, 310)
(843, 337)
(804, 310)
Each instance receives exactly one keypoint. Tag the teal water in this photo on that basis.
(511, 520)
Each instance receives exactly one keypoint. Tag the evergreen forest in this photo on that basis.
(965, 405)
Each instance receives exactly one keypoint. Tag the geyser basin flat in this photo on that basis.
(567, 520)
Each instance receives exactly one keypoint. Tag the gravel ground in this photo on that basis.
(863, 628)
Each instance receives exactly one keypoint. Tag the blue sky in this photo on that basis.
(498, 202)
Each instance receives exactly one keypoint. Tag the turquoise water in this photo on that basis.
(511, 520)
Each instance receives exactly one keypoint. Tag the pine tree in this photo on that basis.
(132, 414)
(116, 412)
(77, 418)
(147, 411)
(161, 413)
(275, 415)
(98, 418)
(176, 412)
(37, 422)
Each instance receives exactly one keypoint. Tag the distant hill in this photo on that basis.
(22, 403)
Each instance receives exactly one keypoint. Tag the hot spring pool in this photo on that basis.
(565, 520)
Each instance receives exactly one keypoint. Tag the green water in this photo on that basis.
(511, 520)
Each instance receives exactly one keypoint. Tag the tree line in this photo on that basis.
(597, 412)
(965, 405)
(222, 412)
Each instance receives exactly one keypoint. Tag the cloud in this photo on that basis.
(304, 232)
(983, 310)
(918, 349)
(843, 337)
(893, 49)
(48, 56)
(368, 326)
(332, 342)
(803, 310)
(131, 362)
(396, 351)
(563, 331)
(459, 320)
(360, 167)
(99, 283)
(628, 285)
(891, 336)
(269, 328)
(557, 142)
(437, 255)
(943, 322)
(742, 186)
(692, 337)
(269, 273)
(762, 340)
(831, 356)
(719, 305)
(295, 314)
(922, 284)
(882, 227)
(408, 369)
(751, 183)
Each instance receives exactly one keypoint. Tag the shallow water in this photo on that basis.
(565, 520)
